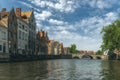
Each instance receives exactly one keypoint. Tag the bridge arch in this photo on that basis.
(76, 57)
(98, 57)
(87, 56)
(81, 56)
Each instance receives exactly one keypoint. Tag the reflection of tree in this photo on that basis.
(110, 70)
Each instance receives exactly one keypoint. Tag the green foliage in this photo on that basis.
(111, 36)
(73, 49)
(99, 52)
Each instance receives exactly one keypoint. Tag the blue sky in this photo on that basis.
(71, 21)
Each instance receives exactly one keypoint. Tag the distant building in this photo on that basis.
(56, 48)
(51, 47)
(66, 50)
(42, 43)
(86, 52)
(61, 50)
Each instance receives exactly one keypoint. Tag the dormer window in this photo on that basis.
(24, 17)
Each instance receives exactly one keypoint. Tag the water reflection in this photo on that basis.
(71, 69)
(110, 70)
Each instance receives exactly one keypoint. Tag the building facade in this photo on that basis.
(56, 48)
(61, 51)
(29, 18)
(3, 38)
(66, 50)
(42, 43)
(51, 47)
(21, 30)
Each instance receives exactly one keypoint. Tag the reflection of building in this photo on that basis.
(66, 50)
(42, 42)
(3, 37)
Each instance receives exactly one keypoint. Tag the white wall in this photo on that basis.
(22, 35)
(3, 39)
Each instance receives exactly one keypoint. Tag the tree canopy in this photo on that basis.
(111, 36)
(73, 49)
(99, 52)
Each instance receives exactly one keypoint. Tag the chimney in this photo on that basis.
(3, 9)
(18, 12)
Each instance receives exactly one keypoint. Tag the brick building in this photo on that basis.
(42, 42)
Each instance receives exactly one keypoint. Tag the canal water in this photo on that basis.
(61, 69)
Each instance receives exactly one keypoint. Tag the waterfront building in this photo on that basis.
(66, 50)
(56, 48)
(21, 30)
(3, 37)
(51, 47)
(29, 18)
(42, 43)
(61, 51)
(10, 20)
(23, 33)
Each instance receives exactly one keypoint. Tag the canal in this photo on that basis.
(61, 69)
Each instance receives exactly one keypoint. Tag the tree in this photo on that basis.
(111, 37)
(73, 49)
(99, 52)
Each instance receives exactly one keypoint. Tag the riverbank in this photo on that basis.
(21, 58)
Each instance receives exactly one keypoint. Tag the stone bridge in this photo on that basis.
(80, 56)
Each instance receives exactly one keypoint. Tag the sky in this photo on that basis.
(71, 21)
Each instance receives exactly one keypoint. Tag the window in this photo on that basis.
(4, 47)
(25, 28)
(23, 35)
(19, 25)
(19, 34)
(0, 47)
(4, 35)
(22, 26)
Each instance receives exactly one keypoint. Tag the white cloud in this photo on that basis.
(43, 16)
(67, 6)
(29, 5)
(56, 22)
(100, 4)
(91, 38)
(60, 5)
(82, 42)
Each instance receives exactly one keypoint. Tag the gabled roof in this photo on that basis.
(4, 22)
(27, 14)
